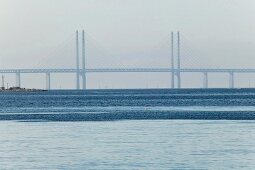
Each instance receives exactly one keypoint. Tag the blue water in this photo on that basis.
(128, 129)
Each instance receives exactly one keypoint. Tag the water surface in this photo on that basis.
(128, 129)
(98, 105)
(133, 144)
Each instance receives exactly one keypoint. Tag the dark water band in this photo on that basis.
(204, 115)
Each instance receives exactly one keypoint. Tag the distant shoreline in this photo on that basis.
(18, 89)
(183, 90)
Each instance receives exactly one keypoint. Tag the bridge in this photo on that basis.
(174, 71)
(204, 72)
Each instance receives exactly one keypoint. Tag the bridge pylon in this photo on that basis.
(176, 72)
(83, 62)
(77, 62)
(172, 59)
(80, 72)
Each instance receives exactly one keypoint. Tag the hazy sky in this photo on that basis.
(40, 33)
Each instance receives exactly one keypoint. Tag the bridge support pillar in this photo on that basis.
(179, 79)
(17, 79)
(205, 80)
(48, 81)
(84, 80)
(231, 80)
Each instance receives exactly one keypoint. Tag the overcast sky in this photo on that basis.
(40, 33)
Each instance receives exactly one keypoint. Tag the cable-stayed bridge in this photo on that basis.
(175, 70)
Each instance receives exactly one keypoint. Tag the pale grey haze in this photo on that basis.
(127, 33)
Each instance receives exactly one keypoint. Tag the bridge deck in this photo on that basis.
(98, 70)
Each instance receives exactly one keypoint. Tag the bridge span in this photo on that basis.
(136, 70)
(204, 72)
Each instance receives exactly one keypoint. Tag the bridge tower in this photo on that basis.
(77, 62)
(172, 59)
(83, 62)
(178, 61)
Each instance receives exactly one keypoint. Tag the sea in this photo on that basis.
(128, 129)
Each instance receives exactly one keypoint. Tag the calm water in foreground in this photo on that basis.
(128, 129)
